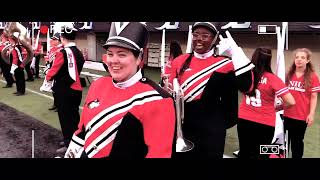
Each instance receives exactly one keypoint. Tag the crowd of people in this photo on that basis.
(127, 115)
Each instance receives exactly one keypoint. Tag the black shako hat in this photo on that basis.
(212, 28)
(130, 35)
(68, 32)
(56, 36)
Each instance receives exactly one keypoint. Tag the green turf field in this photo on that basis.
(37, 106)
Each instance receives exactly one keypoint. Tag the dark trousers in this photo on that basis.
(54, 99)
(206, 132)
(20, 80)
(6, 72)
(296, 131)
(37, 63)
(68, 102)
(251, 135)
(29, 71)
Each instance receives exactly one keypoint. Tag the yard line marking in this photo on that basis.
(32, 144)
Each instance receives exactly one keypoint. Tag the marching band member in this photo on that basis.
(65, 72)
(18, 64)
(28, 68)
(257, 115)
(56, 46)
(37, 55)
(4, 66)
(125, 115)
(210, 84)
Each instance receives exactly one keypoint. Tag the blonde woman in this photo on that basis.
(304, 85)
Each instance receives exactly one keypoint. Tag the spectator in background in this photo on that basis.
(257, 114)
(303, 83)
(175, 51)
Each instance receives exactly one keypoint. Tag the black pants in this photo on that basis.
(29, 71)
(68, 102)
(36, 73)
(54, 99)
(20, 80)
(296, 131)
(251, 135)
(6, 72)
(206, 131)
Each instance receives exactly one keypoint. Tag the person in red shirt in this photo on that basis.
(65, 72)
(304, 85)
(175, 51)
(257, 114)
(123, 116)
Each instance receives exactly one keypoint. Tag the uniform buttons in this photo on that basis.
(95, 147)
(143, 79)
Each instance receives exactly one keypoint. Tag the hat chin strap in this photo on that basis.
(214, 40)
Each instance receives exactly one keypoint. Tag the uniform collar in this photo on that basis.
(70, 44)
(205, 55)
(135, 78)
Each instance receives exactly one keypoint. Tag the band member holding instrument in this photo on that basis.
(5, 67)
(17, 66)
(125, 114)
(210, 84)
(56, 46)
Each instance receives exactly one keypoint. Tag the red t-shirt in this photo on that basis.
(302, 97)
(261, 109)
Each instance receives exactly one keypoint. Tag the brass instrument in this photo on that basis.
(182, 144)
(15, 29)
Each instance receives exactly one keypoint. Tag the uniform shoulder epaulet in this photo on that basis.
(224, 56)
(155, 86)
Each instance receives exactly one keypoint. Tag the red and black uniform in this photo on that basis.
(17, 59)
(210, 87)
(52, 54)
(49, 62)
(27, 68)
(257, 116)
(68, 90)
(37, 55)
(6, 68)
(132, 119)
(295, 116)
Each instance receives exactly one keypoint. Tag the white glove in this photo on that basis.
(74, 150)
(278, 104)
(46, 86)
(228, 47)
(13, 68)
(33, 63)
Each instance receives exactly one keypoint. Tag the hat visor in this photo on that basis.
(118, 44)
(55, 38)
(204, 25)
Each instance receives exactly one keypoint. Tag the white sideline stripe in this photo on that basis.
(40, 94)
(226, 156)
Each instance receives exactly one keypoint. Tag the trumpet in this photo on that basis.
(182, 144)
